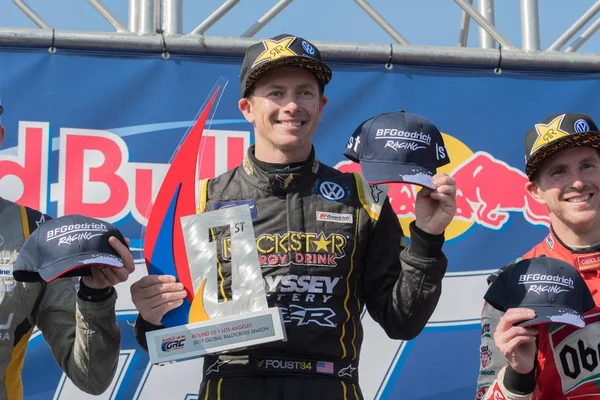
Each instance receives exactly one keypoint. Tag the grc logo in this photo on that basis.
(487, 191)
(172, 343)
(95, 174)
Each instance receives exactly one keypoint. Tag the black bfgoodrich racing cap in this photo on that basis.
(279, 51)
(558, 132)
(67, 246)
(553, 288)
(398, 147)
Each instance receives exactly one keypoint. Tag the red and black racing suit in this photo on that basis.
(568, 361)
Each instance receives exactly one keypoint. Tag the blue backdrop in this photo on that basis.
(149, 103)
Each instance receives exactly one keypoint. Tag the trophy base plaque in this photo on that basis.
(193, 340)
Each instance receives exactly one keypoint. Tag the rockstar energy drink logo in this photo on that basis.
(310, 249)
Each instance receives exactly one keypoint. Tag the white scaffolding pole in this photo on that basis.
(585, 35)
(110, 17)
(577, 25)
(382, 22)
(530, 25)
(142, 17)
(486, 9)
(39, 21)
(464, 28)
(484, 23)
(347, 51)
(214, 17)
(269, 15)
(171, 17)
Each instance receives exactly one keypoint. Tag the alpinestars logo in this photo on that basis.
(348, 371)
(214, 367)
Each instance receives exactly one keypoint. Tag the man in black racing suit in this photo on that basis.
(329, 244)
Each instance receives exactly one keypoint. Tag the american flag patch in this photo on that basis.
(325, 367)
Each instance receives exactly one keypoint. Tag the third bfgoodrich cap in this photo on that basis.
(553, 288)
(398, 147)
(279, 51)
(558, 132)
(67, 246)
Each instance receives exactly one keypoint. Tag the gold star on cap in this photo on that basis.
(548, 133)
(275, 49)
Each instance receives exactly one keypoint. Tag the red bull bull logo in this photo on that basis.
(488, 190)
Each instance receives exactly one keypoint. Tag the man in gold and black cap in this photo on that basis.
(551, 361)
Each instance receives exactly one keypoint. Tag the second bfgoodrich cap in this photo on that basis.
(553, 288)
(67, 246)
(398, 147)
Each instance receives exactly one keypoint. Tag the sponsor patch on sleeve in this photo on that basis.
(334, 217)
(497, 393)
(588, 262)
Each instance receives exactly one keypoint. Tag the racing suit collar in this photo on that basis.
(280, 178)
(586, 258)
(553, 238)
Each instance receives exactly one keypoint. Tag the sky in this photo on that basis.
(421, 22)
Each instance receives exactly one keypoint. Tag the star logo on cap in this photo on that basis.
(548, 133)
(275, 49)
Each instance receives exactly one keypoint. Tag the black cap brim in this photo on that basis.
(376, 173)
(583, 139)
(553, 315)
(318, 68)
(78, 265)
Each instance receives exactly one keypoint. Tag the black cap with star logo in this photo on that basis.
(555, 133)
(279, 51)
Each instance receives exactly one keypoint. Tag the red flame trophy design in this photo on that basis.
(177, 241)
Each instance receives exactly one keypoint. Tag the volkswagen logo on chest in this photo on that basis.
(331, 191)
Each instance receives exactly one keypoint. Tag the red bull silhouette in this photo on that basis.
(488, 190)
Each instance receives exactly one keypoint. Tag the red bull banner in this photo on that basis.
(94, 134)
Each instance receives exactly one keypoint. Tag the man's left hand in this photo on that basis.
(104, 277)
(435, 208)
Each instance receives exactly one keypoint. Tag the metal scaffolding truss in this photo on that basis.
(156, 26)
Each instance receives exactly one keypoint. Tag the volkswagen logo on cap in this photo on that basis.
(581, 125)
(308, 48)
